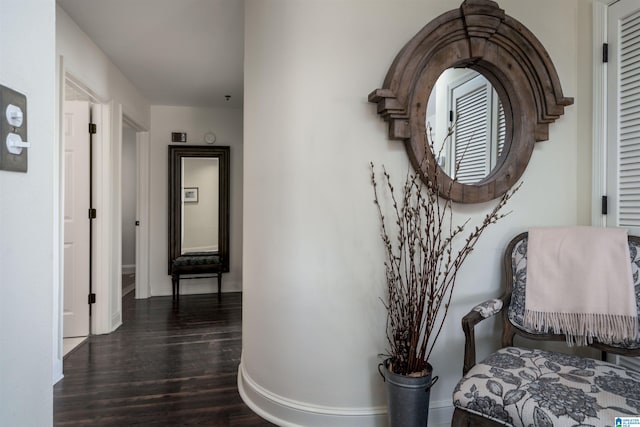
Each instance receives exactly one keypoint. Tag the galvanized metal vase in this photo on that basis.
(407, 397)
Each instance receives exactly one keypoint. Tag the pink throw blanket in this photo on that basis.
(579, 283)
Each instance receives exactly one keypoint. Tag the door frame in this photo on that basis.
(600, 130)
(142, 290)
(599, 118)
(58, 227)
(599, 148)
(103, 278)
(106, 274)
(100, 115)
(62, 77)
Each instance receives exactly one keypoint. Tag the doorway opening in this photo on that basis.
(129, 202)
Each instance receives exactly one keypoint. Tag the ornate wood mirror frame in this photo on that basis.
(176, 155)
(478, 35)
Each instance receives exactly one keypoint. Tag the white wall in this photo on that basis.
(226, 123)
(313, 271)
(587, 55)
(28, 245)
(91, 68)
(129, 185)
(89, 65)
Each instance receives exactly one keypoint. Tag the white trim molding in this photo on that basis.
(143, 289)
(292, 413)
(115, 205)
(100, 316)
(287, 412)
(58, 228)
(599, 138)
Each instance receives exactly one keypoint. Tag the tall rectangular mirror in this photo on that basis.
(199, 203)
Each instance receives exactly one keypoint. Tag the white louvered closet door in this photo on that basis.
(470, 143)
(502, 128)
(479, 129)
(623, 121)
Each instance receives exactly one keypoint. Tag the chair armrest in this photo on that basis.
(476, 315)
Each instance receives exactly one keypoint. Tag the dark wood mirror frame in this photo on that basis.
(176, 154)
(478, 35)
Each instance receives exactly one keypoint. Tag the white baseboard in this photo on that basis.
(57, 376)
(129, 268)
(201, 249)
(116, 321)
(440, 413)
(290, 413)
(199, 286)
(286, 412)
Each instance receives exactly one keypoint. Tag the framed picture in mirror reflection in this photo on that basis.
(190, 195)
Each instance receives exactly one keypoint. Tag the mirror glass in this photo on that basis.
(199, 202)
(466, 124)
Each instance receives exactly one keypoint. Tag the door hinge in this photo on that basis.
(93, 213)
(93, 128)
(605, 52)
(451, 116)
(92, 298)
(605, 205)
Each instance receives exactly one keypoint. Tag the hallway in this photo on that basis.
(166, 365)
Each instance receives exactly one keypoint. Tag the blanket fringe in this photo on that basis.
(581, 328)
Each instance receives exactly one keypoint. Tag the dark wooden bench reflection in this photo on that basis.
(196, 265)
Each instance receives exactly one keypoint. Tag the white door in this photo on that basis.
(479, 128)
(623, 122)
(76, 219)
(623, 115)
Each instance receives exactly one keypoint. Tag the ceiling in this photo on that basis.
(176, 52)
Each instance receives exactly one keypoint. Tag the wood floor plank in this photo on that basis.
(167, 365)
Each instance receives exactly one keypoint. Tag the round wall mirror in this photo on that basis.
(488, 153)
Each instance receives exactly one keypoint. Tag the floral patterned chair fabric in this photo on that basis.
(524, 387)
(530, 387)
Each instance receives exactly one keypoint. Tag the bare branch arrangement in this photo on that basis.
(422, 263)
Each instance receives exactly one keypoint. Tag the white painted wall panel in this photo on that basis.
(313, 324)
(29, 249)
(226, 123)
(87, 63)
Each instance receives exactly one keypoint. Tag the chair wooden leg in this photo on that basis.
(459, 419)
(219, 286)
(466, 419)
(175, 286)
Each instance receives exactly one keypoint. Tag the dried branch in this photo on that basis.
(422, 262)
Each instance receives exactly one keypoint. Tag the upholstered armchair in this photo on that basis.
(520, 386)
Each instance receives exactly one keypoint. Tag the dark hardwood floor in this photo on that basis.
(165, 366)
